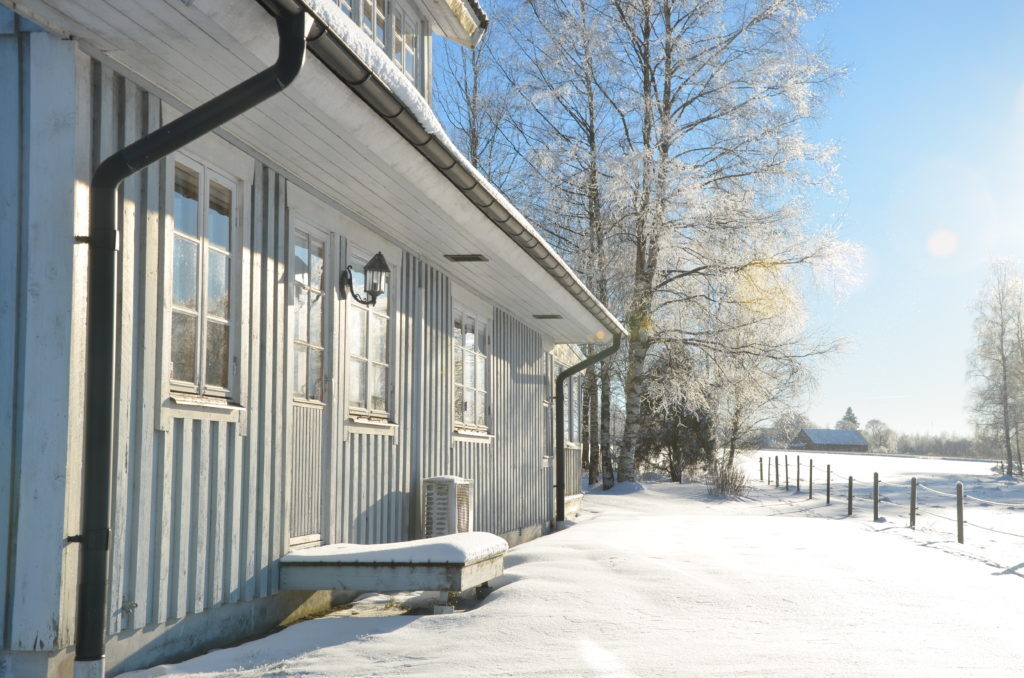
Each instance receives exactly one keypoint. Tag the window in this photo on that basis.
(572, 414)
(375, 20)
(346, 6)
(404, 44)
(308, 317)
(368, 348)
(470, 361)
(202, 299)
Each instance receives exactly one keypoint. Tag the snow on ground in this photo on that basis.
(662, 580)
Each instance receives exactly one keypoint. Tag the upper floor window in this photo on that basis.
(471, 374)
(203, 266)
(375, 20)
(346, 6)
(369, 348)
(404, 43)
(308, 316)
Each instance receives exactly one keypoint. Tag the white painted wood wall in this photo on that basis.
(200, 509)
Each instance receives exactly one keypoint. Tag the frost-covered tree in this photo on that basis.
(663, 152)
(880, 436)
(997, 361)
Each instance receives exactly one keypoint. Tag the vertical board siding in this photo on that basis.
(201, 509)
(306, 462)
(198, 508)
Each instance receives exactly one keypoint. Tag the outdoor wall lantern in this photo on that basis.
(375, 274)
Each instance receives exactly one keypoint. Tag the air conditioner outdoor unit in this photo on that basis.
(448, 505)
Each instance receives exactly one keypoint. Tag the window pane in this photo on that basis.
(459, 378)
(458, 337)
(481, 410)
(186, 200)
(368, 16)
(357, 383)
(398, 39)
(186, 273)
(357, 331)
(358, 278)
(300, 318)
(218, 288)
(316, 265)
(183, 347)
(300, 261)
(218, 216)
(382, 301)
(217, 345)
(481, 372)
(299, 371)
(470, 335)
(316, 374)
(378, 387)
(378, 338)
(316, 318)
(469, 370)
(467, 415)
(459, 403)
(380, 34)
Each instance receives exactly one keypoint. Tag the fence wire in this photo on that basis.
(832, 474)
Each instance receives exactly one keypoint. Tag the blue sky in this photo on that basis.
(931, 126)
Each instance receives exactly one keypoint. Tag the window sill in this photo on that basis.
(471, 435)
(370, 425)
(192, 406)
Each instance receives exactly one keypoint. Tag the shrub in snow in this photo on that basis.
(725, 479)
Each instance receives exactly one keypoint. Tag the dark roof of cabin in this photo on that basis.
(831, 436)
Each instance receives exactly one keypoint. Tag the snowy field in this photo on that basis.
(661, 580)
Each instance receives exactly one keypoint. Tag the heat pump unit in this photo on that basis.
(448, 505)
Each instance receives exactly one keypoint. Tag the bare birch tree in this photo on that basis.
(996, 362)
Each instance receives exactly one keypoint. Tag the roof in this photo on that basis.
(831, 436)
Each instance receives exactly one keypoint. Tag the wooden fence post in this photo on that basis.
(787, 472)
(849, 498)
(828, 484)
(776, 470)
(798, 473)
(876, 496)
(913, 503)
(760, 466)
(960, 512)
(810, 480)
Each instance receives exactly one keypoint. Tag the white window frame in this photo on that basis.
(482, 348)
(215, 393)
(573, 404)
(357, 258)
(301, 228)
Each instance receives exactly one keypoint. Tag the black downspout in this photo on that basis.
(100, 355)
(560, 420)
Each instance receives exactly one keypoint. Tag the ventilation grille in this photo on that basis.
(448, 505)
(464, 258)
(547, 316)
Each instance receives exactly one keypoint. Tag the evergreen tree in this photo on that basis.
(849, 421)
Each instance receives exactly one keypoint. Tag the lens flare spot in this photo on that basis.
(942, 244)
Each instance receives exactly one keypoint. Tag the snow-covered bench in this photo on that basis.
(452, 563)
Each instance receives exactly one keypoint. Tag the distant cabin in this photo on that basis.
(836, 440)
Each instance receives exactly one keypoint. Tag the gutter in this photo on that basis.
(103, 240)
(560, 420)
(369, 87)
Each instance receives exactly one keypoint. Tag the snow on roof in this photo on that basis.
(831, 436)
(464, 548)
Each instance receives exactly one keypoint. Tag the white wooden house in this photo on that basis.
(255, 407)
